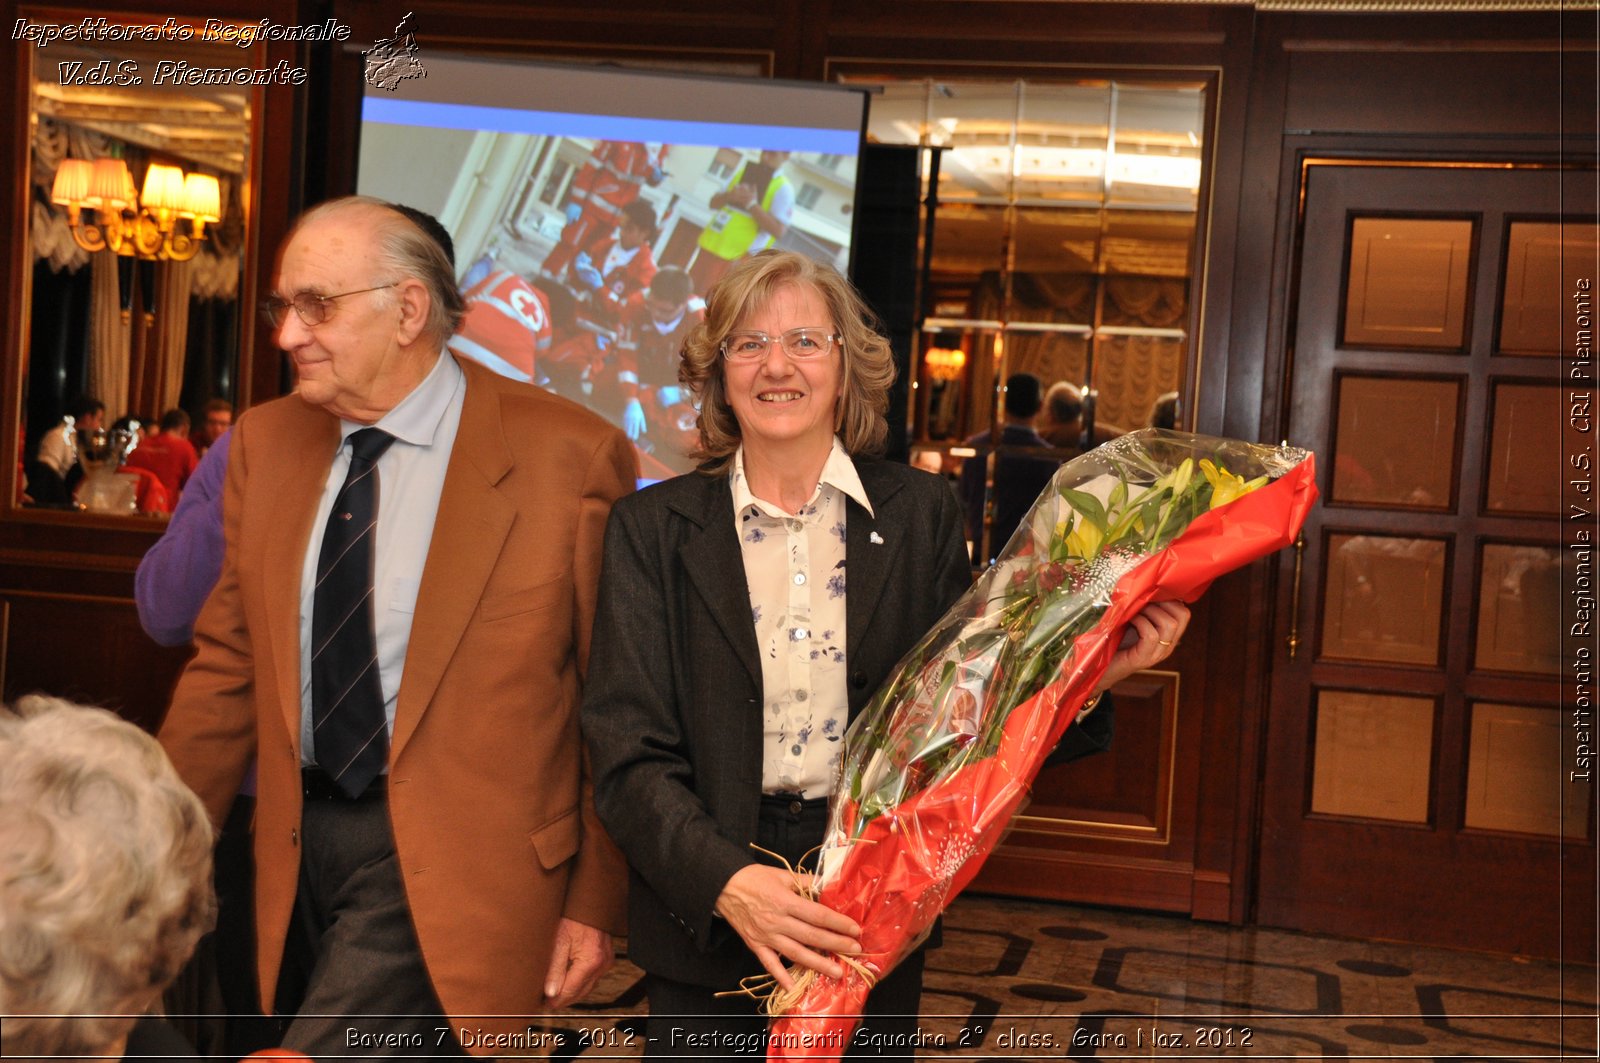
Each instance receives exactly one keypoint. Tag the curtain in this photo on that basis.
(109, 335)
(171, 335)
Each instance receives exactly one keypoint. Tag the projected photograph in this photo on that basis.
(585, 241)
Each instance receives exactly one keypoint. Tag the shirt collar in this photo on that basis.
(667, 329)
(416, 419)
(838, 472)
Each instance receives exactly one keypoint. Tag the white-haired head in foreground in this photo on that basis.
(105, 877)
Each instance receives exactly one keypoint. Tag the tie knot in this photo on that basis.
(369, 444)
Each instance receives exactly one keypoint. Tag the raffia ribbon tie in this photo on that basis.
(776, 1000)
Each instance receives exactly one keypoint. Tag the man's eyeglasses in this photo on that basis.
(800, 344)
(312, 309)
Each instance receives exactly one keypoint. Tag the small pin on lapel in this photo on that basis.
(875, 538)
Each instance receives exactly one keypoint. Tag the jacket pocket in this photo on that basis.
(557, 841)
(527, 600)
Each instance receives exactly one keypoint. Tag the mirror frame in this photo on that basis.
(272, 123)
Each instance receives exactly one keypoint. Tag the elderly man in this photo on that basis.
(412, 548)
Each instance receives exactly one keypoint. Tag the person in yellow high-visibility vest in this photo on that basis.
(748, 218)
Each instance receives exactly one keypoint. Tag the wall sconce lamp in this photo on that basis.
(144, 226)
(944, 363)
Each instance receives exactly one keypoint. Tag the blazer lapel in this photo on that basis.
(300, 463)
(468, 534)
(715, 566)
(871, 551)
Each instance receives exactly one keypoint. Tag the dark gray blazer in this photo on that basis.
(672, 704)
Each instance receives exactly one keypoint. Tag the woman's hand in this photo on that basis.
(777, 923)
(1149, 639)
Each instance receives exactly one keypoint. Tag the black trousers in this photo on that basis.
(691, 1022)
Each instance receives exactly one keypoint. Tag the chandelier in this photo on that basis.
(145, 226)
(944, 363)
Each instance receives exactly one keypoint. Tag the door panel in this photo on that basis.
(1414, 784)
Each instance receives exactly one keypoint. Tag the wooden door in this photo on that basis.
(1419, 781)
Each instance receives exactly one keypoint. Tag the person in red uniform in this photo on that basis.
(507, 325)
(616, 172)
(615, 266)
(167, 454)
(655, 409)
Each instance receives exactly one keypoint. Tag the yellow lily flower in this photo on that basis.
(1084, 539)
(1225, 486)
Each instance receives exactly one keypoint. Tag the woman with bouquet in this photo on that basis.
(730, 651)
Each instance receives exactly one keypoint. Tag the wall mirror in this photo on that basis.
(139, 196)
(1063, 242)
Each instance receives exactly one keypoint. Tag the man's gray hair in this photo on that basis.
(405, 249)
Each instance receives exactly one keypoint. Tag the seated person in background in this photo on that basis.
(1164, 413)
(616, 265)
(1063, 416)
(1018, 478)
(105, 883)
(167, 453)
(215, 420)
(54, 471)
(1064, 412)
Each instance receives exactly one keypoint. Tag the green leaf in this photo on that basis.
(1119, 497)
(1088, 506)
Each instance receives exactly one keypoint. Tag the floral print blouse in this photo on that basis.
(794, 565)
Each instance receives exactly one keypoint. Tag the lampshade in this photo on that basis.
(202, 197)
(111, 186)
(72, 182)
(163, 188)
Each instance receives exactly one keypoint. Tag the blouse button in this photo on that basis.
(799, 578)
(798, 634)
(796, 526)
(802, 694)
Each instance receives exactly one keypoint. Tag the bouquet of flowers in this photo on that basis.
(943, 756)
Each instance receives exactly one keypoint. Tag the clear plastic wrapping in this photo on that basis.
(943, 756)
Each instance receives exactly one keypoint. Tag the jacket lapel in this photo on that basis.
(871, 551)
(715, 566)
(468, 534)
(301, 461)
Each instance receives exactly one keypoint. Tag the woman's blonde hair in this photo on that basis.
(105, 876)
(867, 364)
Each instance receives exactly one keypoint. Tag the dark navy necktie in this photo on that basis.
(351, 735)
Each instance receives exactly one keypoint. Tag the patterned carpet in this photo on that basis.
(1032, 980)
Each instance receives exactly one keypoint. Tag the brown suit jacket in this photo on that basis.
(489, 792)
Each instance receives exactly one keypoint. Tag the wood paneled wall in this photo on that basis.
(1183, 784)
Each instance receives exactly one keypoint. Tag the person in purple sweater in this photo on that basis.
(178, 572)
(172, 583)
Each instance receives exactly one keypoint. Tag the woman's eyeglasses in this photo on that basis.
(313, 309)
(800, 344)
